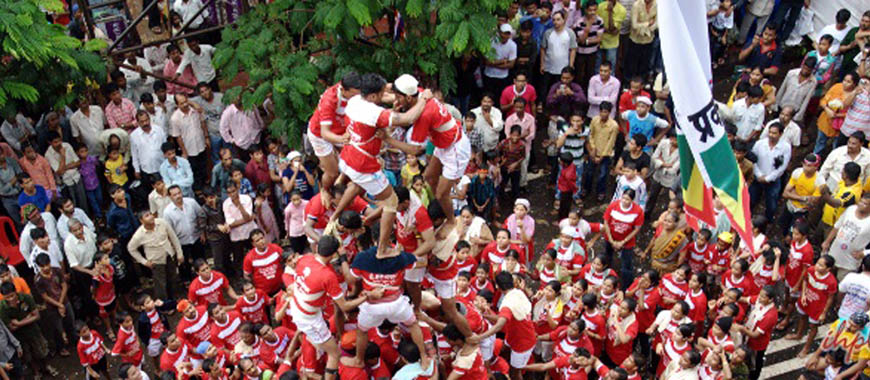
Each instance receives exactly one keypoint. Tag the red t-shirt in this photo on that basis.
(697, 305)
(157, 327)
(320, 215)
(316, 285)
(800, 259)
(509, 94)
(409, 224)
(594, 278)
(622, 221)
(719, 258)
(596, 324)
(519, 334)
(565, 345)
(765, 275)
(352, 373)
(169, 359)
(817, 292)
(104, 287)
(618, 352)
(364, 119)
(603, 370)
(437, 124)
(494, 255)
(697, 255)
(392, 283)
(254, 310)
(91, 350)
(127, 342)
(329, 112)
(265, 268)
(671, 289)
(310, 360)
(279, 347)
(567, 181)
(745, 283)
(226, 335)
(671, 352)
(389, 352)
(646, 311)
(765, 326)
(202, 293)
(194, 331)
(470, 368)
(563, 364)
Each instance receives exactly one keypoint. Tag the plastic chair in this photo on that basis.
(8, 249)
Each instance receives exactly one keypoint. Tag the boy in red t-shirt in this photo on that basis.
(92, 351)
(252, 304)
(797, 267)
(103, 290)
(698, 251)
(566, 184)
(817, 296)
(574, 367)
(263, 265)
(127, 346)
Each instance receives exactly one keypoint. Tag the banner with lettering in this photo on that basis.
(706, 157)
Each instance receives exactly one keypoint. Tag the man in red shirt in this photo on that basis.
(209, 286)
(359, 159)
(327, 129)
(316, 287)
(384, 279)
(468, 363)
(176, 355)
(628, 99)
(317, 216)
(252, 304)
(412, 220)
(435, 124)
(515, 319)
(622, 221)
(520, 89)
(225, 326)
(194, 325)
(759, 327)
(263, 265)
(645, 290)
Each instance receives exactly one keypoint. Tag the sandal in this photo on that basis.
(51, 371)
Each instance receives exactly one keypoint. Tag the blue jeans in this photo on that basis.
(95, 199)
(592, 168)
(608, 54)
(771, 192)
(579, 171)
(821, 142)
(626, 264)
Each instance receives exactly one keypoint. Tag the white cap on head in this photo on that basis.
(644, 100)
(293, 155)
(568, 231)
(506, 28)
(406, 84)
(524, 202)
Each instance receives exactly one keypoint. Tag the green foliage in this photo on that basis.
(293, 49)
(40, 66)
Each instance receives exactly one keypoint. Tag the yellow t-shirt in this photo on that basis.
(803, 186)
(848, 194)
(114, 173)
(610, 41)
(408, 174)
(864, 353)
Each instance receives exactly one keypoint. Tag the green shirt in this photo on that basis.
(610, 41)
(26, 305)
(848, 61)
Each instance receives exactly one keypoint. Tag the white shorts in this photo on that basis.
(415, 275)
(322, 148)
(373, 183)
(314, 327)
(544, 349)
(521, 359)
(444, 289)
(486, 347)
(155, 347)
(374, 314)
(797, 306)
(454, 159)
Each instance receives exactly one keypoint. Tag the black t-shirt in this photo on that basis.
(640, 163)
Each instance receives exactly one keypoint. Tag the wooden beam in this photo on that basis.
(155, 75)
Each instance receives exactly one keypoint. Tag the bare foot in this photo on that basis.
(803, 352)
(387, 253)
(793, 336)
(782, 325)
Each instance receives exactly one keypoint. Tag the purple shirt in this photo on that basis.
(88, 170)
(600, 91)
(554, 100)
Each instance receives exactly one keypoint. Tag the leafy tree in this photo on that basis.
(39, 64)
(293, 49)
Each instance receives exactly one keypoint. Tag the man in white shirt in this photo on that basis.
(749, 114)
(854, 151)
(136, 81)
(188, 127)
(65, 163)
(213, 107)
(773, 155)
(187, 219)
(86, 124)
(80, 247)
(488, 122)
(187, 9)
(15, 129)
(145, 144)
(35, 219)
(69, 212)
(791, 131)
(199, 58)
(558, 49)
(839, 29)
(850, 235)
(496, 72)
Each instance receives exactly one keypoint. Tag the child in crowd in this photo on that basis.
(630, 180)
(555, 128)
(294, 221)
(567, 185)
(158, 198)
(92, 351)
(116, 169)
(88, 171)
(127, 346)
(103, 290)
(719, 30)
(242, 183)
(512, 152)
(264, 214)
(152, 323)
(411, 169)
